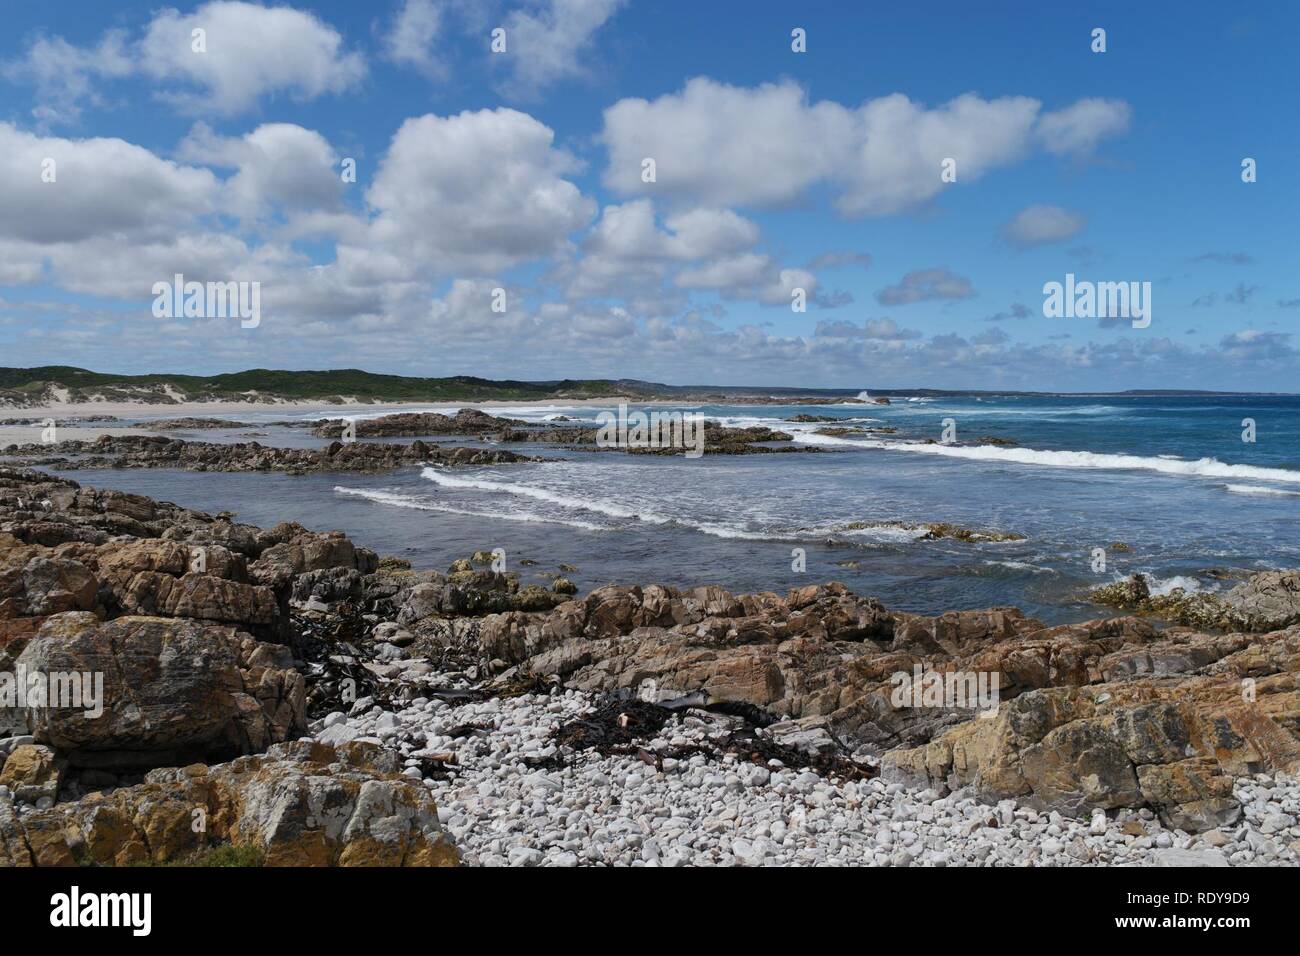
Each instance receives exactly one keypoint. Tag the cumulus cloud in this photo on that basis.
(249, 52)
(884, 330)
(902, 145)
(1251, 345)
(547, 41)
(252, 52)
(66, 76)
(101, 187)
(726, 144)
(629, 232)
(278, 166)
(1041, 224)
(1077, 129)
(627, 254)
(751, 275)
(926, 284)
(411, 37)
(478, 192)
(994, 336)
(768, 145)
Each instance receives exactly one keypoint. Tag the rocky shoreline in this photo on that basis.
(150, 451)
(347, 453)
(252, 676)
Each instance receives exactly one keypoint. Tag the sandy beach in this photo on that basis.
(11, 432)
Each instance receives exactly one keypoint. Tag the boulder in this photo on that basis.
(1269, 600)
(32, 772)
(299, 804)
(171, 688)
(1172, 743)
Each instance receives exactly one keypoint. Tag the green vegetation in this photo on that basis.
(222, 855)
(226, 855)
(26, 383)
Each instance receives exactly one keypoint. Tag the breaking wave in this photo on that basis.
(1200, 468)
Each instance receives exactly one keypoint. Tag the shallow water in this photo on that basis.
(1168, 476)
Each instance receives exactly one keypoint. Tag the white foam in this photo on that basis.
(1044, 414)
(406, 501)
(1160, 587)
(1201, 468)
(1023, 566)
(884, 533)
(610, 510)
(540, 494)
(1261, 490)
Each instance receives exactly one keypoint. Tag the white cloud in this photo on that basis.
(65, 75)
(750, 275)
(1040, 224)
(410, 40)
(104, 266)
(1077, 129)
(477, 192)
(925, 284)
(1252, 345)
(102, 187)
(768, 145)
(885, 330)
(628, 232)
(725, 145)
(902, 145)
(546, 42)
(250, 52)
(279, 165)
(626, 255)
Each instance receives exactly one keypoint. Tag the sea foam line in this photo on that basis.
(1261, 490)
(1201, 468)
(540, 494)
(607, 509)
(404, 501)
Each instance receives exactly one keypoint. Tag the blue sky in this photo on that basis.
(775, 171)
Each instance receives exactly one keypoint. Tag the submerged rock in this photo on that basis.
(1266, 601)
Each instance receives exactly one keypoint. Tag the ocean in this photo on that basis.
(1170, 478)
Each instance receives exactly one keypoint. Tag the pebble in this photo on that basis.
(502, 810)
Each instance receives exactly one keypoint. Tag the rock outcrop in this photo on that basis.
(1266, 601)
(470, 422)
(181, 616)
(158, 451)
(466, 422)
(212, 637)
(171, 690)
(1102, 714)
(299, 804)
(1143, 734)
